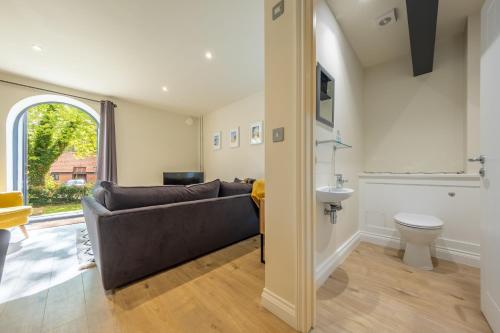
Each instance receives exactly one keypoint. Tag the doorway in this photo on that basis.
(52, 153)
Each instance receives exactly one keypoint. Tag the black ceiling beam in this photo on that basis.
(422, 22)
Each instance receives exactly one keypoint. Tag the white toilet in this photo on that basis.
(419, 231)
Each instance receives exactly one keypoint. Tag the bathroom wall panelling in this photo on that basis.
(452, 198)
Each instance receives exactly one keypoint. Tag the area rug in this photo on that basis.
(84, 249)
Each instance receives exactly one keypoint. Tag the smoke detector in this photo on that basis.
(387, 19)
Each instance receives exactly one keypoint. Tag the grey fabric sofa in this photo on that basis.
(130, 244)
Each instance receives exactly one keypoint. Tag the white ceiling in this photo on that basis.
(130, 49)
(375, 45)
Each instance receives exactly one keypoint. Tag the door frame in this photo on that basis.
(306, 226)
(290, 103)
(16, 128)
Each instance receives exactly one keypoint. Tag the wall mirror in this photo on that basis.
(325, 96)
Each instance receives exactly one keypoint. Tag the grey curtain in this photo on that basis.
(106, 160)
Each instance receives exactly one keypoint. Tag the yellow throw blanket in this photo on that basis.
(258, 191)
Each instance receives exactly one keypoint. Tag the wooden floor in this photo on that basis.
(373, 291)
(43, 291)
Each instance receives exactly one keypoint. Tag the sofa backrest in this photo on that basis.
(229, 189)
(121, 197)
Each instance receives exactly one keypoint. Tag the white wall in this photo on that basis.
(336, 55)
(245, 161)
(452, 198)
(149, 141)
(417, 124)
(473, 89)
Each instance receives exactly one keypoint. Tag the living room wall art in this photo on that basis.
(234, 137)
(216, 140)
(256, 133)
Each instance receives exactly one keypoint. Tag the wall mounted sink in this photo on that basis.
(331, 194)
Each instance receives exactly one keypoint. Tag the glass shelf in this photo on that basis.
(336, 144)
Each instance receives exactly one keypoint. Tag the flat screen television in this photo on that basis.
(183, 178)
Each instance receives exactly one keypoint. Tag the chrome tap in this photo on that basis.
(340, 180)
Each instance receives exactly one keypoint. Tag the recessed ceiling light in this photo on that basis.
(209, 55)
(385, 21)
(36, 48)
(388, 18)
(164, 88)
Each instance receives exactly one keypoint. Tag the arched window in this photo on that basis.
(16, 132)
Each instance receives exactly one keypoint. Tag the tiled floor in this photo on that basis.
(35, 264)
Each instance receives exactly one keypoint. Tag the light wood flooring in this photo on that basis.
(43, 291)
(373, 291)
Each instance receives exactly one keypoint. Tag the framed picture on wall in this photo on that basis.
(234, 137)
(256, 133)
(216, 141)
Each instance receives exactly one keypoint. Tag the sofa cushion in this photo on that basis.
(246, 180)
(228, 189)
(121, 197)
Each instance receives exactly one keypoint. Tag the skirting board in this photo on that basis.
(279, 307)
(491, 309)
(327, 267)
(454, 255)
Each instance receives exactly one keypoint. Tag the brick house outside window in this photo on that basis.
(68, 167)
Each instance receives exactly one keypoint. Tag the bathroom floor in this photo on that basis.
(373, 291)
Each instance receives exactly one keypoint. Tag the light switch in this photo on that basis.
(278, 9)
(278, 134)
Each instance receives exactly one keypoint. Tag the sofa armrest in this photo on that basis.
(11, 199)
(95, 207)
(94, 214)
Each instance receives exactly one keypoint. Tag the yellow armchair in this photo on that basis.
(12, 211)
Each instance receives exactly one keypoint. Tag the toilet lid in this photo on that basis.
(418, 221)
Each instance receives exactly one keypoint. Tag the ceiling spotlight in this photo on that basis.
(388, 18)
(164, 88)
(385, 21)
(209, 55)
(36, 48)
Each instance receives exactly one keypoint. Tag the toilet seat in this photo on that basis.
(418, 221)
